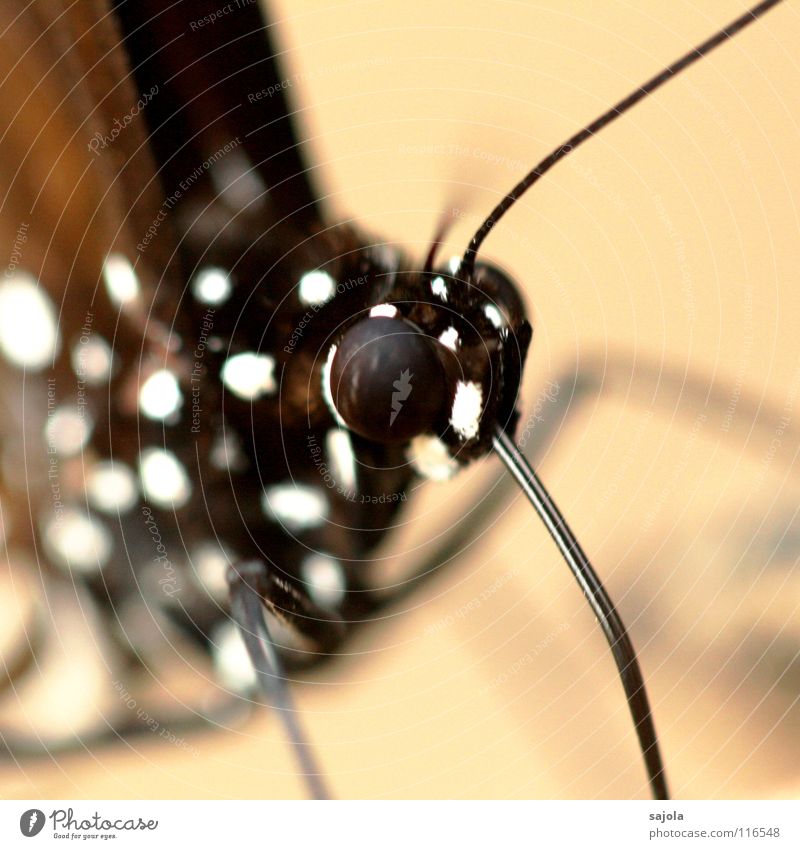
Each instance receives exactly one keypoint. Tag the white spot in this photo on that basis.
(494, 315)
(450, 338)
(231, 660)
(250, 375)
(226, 453)
(236, 181)
(316, 287)
(339, 449)
(68, 430)
(439, 288)
(297, 506)
(164, 479)
(121, 281)
(327, 392)
(465, 416)
(77, 541)
(111, 487)
(431, 459)
(92, 360)
(454, 263)
(212, 286)
(28, 326)
(210, 560)
(160, 395)
(386, 256)
(324, 578)
(383, 311)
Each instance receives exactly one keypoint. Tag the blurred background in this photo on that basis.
(660, 264)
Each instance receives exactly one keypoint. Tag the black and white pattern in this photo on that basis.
(206, 381)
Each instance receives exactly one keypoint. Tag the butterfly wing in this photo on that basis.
(135, 165)
(214, 80)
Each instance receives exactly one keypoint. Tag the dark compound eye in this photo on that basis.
(387, 381)
(505, 307)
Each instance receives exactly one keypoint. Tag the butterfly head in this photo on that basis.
(436, 365)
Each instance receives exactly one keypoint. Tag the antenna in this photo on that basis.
(468, 263)
(601, 604)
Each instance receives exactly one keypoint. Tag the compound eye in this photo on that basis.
(387, 381)
(505, 306)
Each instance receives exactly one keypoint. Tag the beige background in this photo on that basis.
(671, 240)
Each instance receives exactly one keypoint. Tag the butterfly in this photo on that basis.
(226, 326)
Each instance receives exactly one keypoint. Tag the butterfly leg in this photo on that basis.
(252, 586)
(314, 624)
